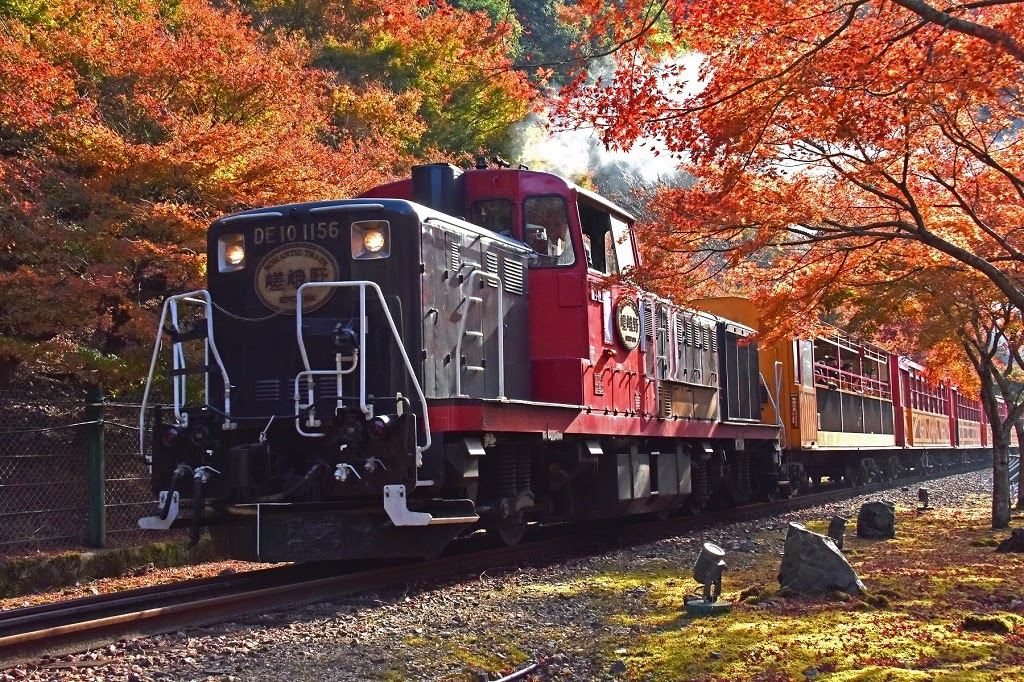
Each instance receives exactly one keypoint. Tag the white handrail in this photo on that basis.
(367, 409)
(199, 297)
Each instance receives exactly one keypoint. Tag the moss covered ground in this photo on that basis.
(941, 606)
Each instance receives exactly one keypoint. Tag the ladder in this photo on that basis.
(470, 300)
(201, 331)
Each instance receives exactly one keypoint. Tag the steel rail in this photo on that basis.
(66, 627)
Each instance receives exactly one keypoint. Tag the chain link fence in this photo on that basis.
(45, 471)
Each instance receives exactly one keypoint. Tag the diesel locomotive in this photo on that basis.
(372, 377)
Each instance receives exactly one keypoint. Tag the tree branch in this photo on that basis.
(989, 35)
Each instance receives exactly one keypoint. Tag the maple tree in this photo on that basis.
(831, 143)
(952, 320)
(452, 67)
(127, 127)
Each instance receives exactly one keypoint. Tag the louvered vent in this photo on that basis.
(491, 264)
(687, 332)
(680, 331)
(648, 320)
(714, 341)
(513, 276)
(703, 336)
(327, 387)
(456, 259)
(664, 401)
(267, 390)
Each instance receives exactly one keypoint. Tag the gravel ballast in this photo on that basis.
(494, 622)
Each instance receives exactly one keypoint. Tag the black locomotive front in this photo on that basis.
(307, 404)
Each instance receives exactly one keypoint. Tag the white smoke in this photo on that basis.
(575, 153)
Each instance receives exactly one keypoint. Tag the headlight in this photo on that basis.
(234, 254)
(371, 239)
(231, 252)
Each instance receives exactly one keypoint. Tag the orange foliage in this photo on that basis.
(836, 148)
(125, 128)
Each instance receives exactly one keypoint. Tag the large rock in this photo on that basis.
(877, 520)
(812, 564)
(1014, 543)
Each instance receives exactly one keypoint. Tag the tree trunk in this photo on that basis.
(1000, 477)
(1000, 444)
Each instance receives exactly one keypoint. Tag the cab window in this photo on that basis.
(622, 240)
(493, 214)
(606, 240)
(547, 231)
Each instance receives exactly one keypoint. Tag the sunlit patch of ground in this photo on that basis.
(909, 626)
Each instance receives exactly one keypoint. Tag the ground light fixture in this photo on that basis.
(707, 571)
(922, 497)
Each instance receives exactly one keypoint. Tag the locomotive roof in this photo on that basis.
(424, 213)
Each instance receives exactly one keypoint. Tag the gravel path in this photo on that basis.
(491, 622)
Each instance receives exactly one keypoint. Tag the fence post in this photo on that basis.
(97, 467)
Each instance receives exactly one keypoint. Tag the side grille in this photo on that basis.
(326, 387)
(491, 265)
(456, 258)
(513, 276)
(267, 390)
(664, 401)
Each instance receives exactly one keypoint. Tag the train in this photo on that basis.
(370, 378)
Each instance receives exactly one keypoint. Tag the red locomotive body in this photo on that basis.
(585, 379)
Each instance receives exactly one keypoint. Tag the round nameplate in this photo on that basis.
(627, 322)
(286, 268)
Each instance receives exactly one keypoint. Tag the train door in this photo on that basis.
(806, 395)
(616, 341)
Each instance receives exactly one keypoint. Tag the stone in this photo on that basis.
(1014, 543)
(812, 564)
(716, 655)
(618, 667)
(837, 529)
(811, 672)
(877, 520)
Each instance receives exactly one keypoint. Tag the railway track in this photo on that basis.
(64, 627)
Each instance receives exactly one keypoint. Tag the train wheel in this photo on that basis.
(509, 532)
(667, 513)
(799, 484)
(854, 474)
(891, 469)
(768, 489)
(694, 507)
